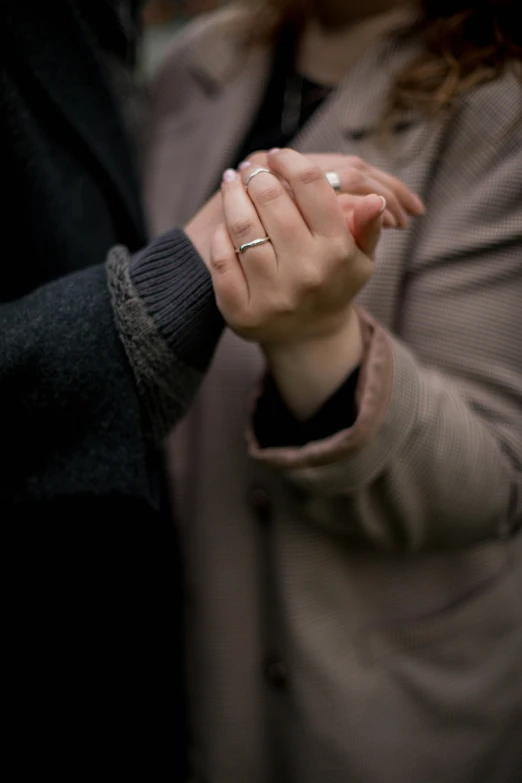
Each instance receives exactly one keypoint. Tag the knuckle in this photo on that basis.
(340, 248)
(310, 175)
(356, 162)
(269, 193)
(357, 180)
(220, 263)
(242, 227)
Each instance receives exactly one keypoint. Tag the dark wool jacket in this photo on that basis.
(102, 345)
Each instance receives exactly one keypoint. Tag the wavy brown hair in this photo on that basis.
(465, 44)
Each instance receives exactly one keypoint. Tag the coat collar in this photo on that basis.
(215, 55)
(216, 59)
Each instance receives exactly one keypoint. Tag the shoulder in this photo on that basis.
(480, 157)
(203, 30)
(205, 45)
(491, 115)
(474, 204)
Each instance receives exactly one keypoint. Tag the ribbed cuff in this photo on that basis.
(176, 288)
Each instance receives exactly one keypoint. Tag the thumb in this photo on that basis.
(365, 223)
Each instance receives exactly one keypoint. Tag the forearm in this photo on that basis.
(424, 464)
(88, 390)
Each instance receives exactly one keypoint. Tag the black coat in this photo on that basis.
(91, 622)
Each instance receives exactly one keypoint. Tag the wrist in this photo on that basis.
(308, 372)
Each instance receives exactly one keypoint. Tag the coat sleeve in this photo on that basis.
(92, 375)
(434, 458)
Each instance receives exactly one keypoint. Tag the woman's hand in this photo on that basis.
(294, 294)
(358, 178)
(300, 285)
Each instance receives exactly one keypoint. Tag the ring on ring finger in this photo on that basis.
(254, 243)
(334, 180)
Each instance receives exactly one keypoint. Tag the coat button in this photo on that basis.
(260, 504)
(276, 672)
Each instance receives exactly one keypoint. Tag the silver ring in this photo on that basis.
(334, 180)
(254, 174)
(254, 243)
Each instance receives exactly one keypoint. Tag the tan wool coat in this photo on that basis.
(354, 607)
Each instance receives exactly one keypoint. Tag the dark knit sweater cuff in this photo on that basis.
(169, 323)
(176, 288)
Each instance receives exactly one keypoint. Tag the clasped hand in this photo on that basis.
(294, 294)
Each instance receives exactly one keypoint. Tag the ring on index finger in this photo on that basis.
(254, 173)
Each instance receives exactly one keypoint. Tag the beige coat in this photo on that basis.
(355, 606)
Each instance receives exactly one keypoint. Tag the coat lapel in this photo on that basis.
(346, 124)
(196, 145)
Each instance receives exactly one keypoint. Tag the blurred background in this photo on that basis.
(162, 20)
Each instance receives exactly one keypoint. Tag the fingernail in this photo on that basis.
(244, 165)
(383, 205)
(229, 175)
(273, 150)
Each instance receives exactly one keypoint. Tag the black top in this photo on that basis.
(288, 104)
(275, 426)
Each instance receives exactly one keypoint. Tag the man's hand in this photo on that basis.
(202, 227)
